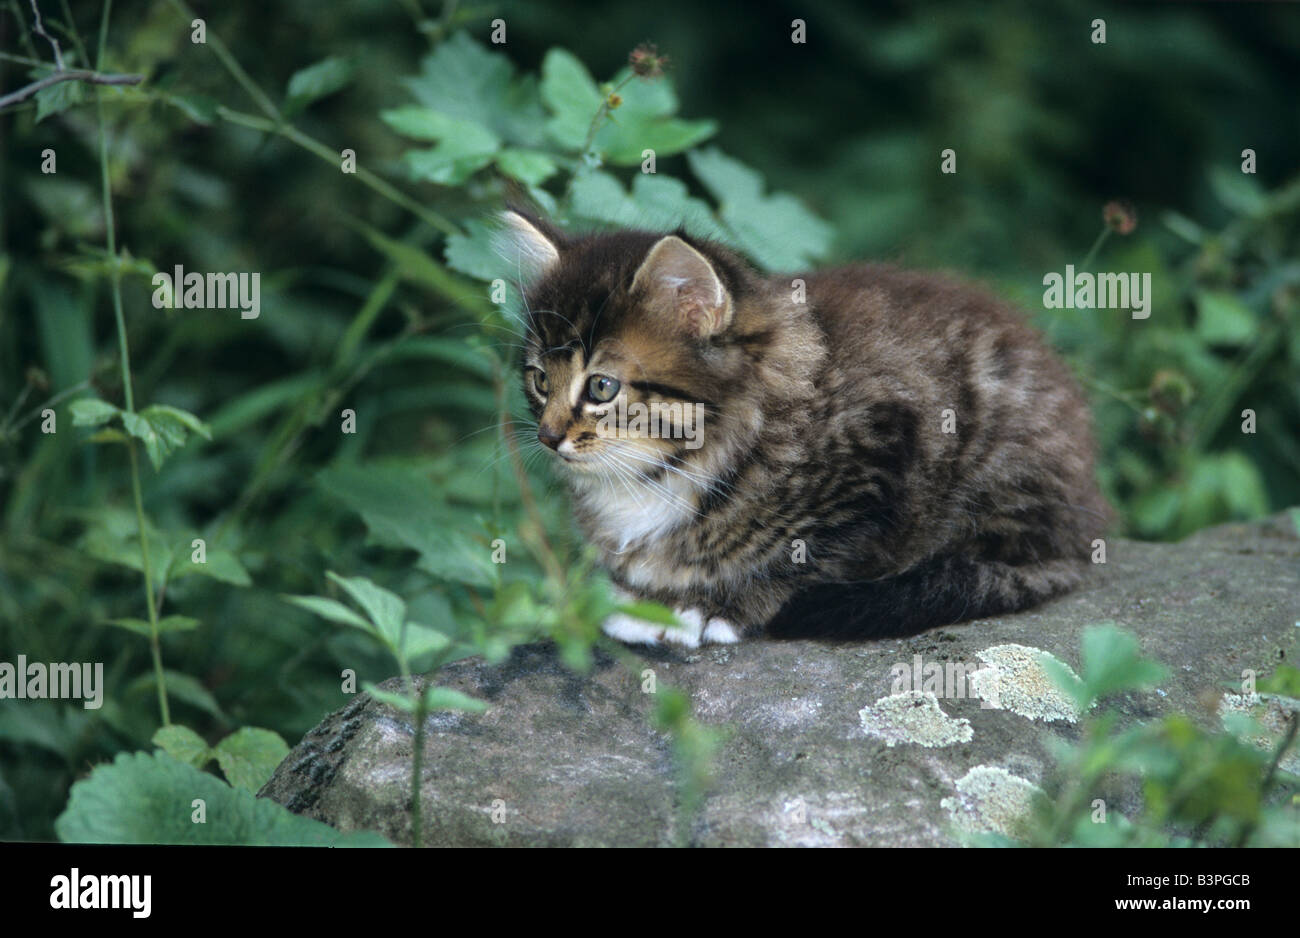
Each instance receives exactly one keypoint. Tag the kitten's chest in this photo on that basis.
(641, 532)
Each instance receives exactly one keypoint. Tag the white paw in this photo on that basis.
(694, 630)
(721, 632)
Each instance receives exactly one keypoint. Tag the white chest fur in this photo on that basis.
(630, 513)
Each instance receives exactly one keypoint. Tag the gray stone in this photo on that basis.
(815, 752)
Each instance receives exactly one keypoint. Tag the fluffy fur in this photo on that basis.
(827, 497)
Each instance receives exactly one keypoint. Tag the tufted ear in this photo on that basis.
(680, 281)
(531, 248)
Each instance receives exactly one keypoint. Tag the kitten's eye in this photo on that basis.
(602, 388)
(540, 382)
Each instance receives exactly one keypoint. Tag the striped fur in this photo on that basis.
(826, 498)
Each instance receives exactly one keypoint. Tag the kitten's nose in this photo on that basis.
(550, 437)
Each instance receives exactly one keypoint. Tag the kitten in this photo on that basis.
(888, 452)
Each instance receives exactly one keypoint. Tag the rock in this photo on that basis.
(819, 750)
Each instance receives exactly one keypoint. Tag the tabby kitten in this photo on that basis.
(887, 452)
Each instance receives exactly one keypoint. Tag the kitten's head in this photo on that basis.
(631, 338)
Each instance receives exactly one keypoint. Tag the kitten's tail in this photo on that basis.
(941, 591)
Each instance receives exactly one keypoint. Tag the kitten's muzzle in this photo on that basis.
(551, 437)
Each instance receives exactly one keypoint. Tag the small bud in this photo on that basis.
(614, 100)
(1170, 392)
(38, 379)
(646, 61)
(1120, 217)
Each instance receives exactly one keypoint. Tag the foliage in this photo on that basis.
(1197, 787)
(376, 300)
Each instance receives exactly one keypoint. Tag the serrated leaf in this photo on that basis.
(248, 757)
(91, 412)
(184, 417)
(461, 78)
(643, 121)
(315, 82)
(386, 609)
(528, 166)
(776, 230)
(658, 203)
(147, 798)
(182, 744)
(57, 98)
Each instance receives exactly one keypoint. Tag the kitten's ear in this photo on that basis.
(530, 247)
(680, 280)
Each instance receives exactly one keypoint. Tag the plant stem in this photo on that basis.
(417, 768)
(601, 112)
(115, 279)
(366, 177)
(1096, 246)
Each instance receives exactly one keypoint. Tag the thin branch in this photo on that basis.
(39, 29)
(89, 77)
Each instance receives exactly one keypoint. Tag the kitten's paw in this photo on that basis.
(721, 632)
(695, 630)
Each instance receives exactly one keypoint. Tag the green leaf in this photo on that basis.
(165, 624)
(108, 435)
(315, 82)
(651, 612)
(180, 687)
(113, 537)
(475, 254)
(435, 698)
(1222, 319)
(446, 698)
(183, 417)
(776, 230)
(570, 93)
(91, 412)
(221, 565)
(148, 798)
(183, 745)
(527, 166)
(462, 79)
(248, 756)
(333, 610)
(403, 508)
(643, 121)
(397, 701)
(422, 639)
(57, 98)
(1111, 662)
(197, 107)
(464, 146)
(385, 608)
(656, 202)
